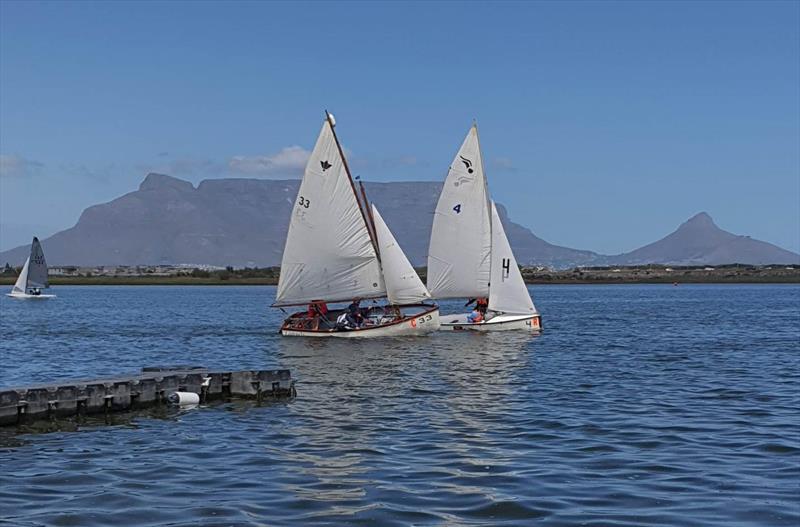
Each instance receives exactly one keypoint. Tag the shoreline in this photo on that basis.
(580, 276)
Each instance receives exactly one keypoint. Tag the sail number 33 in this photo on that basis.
(305, 203)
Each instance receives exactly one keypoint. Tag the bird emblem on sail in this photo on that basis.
(325, 165)
(464, 178)
(467, 163)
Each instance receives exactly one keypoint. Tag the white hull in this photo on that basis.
(531, 323)
(419, 324)
(25, 296)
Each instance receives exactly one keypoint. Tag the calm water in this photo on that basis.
(640, 405)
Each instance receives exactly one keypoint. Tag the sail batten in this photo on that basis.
(403, 285)
(329, 253)
(459, 255)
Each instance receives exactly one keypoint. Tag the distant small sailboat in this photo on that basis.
(33, 277)
(469, 254)
(339, 249)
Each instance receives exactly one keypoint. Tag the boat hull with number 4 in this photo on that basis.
(496, 323)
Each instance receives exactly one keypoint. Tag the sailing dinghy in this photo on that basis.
(469, 254)
(33, 277)
(339, 250)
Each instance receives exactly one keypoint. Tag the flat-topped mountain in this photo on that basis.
(699, 241)
(243, 222)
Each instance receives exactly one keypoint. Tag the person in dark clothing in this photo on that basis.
(354, 316)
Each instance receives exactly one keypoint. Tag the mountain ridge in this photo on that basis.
(243, 222)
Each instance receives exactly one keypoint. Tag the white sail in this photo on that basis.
(329, 253)
(508, 293)
(403, 285)
(22, 280)
(460, 247)
(37, 272)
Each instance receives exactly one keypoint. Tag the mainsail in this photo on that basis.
(508, 293)
(329, 253)
(403, 285)
(37, 272)
(460, 247)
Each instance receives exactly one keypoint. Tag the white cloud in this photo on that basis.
(288, 163)
(12, 165)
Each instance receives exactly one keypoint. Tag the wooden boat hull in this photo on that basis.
(25, 296)
(532, 323)
(418, 323)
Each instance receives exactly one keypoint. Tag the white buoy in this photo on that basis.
(184, 398)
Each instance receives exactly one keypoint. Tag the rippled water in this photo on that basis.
(639, 405)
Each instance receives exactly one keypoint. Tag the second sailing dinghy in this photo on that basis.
(339, 250)
(32, 279)
(469, 254)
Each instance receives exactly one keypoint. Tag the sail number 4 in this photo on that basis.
(304, 202)
(457, 208)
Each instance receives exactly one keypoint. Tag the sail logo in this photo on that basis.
(468, 164)
(506, 268)
(325, 165)
(463, 178)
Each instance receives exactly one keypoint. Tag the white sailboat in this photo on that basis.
(340, 250)
(469, 254)
(33, 277)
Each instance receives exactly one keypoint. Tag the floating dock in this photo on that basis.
(152, 386)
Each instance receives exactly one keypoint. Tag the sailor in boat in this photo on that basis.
(355, 317)
(475, 316)
(481, 304)
(481, 307)
(317, 314)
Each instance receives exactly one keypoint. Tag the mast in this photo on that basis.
(371, 226)
(329, 118)
(489, 206)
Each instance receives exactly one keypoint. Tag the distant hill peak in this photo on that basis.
(699, 241)
(155, 181)
(701, 219)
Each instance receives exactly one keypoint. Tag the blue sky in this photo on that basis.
(604, 125)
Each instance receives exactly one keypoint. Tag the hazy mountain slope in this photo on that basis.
(243, 222)
(699, 241)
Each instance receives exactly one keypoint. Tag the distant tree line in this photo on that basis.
(230, 272)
